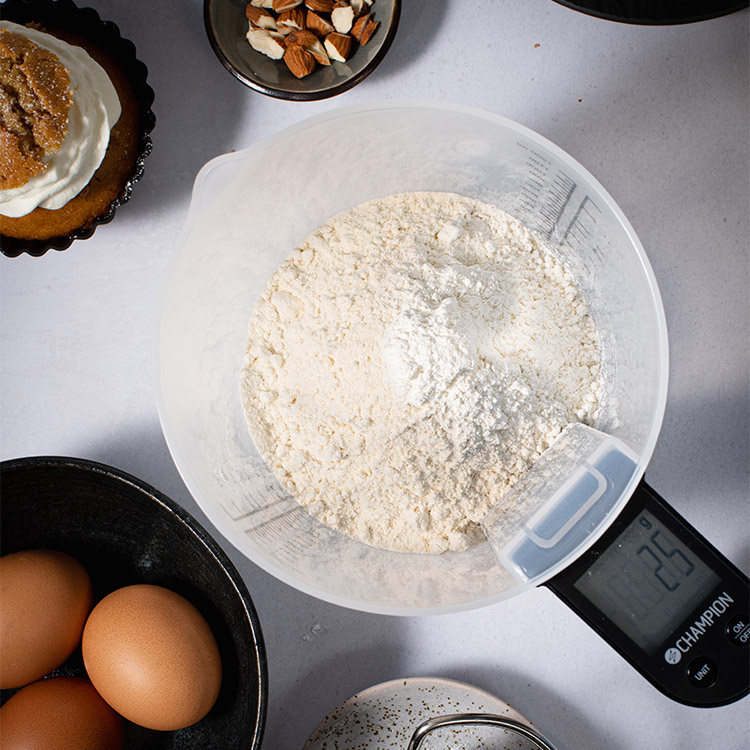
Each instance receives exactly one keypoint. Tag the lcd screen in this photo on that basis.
(647, 581)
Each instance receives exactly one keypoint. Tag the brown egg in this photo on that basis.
(152, 656)
(60, 713)
(45, 597)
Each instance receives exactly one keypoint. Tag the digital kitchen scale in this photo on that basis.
(652, 586)
(667, 600)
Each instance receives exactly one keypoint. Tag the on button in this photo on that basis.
(738, 631)
(702, 672)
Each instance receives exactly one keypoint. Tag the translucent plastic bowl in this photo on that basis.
(252, 207)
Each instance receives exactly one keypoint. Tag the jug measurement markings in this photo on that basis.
(551, 197)
(559, 194)
(260, 516)
(577, 229)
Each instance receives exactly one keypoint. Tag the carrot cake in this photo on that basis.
(70, 133)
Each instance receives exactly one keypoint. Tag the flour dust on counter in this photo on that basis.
(409, 361)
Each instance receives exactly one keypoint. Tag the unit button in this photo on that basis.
(702, 672)
(738, 630)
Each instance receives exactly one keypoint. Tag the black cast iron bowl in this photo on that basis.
(124, 532)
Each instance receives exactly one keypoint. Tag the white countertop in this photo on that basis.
(658, 114)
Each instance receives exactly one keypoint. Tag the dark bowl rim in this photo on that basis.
(655, 12)
(303, 96)
(196, 528)
(137, 71)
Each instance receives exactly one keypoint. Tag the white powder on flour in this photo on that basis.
(409, 361)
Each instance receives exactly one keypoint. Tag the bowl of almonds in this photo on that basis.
(301, 49)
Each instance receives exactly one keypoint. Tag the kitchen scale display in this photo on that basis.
(668, 601)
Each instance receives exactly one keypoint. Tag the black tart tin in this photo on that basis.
(124, 532)
(64, 15)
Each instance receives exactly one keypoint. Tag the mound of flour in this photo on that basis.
(409, 361)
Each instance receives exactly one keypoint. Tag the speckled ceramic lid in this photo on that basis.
(385, 716)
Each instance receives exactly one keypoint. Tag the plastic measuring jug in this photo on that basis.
(252, 207)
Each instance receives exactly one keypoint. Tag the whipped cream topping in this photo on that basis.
(93, 113)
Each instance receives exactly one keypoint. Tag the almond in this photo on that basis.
(308, 32)
(268, 42)
(294, 19)
(281, 5)
(320, 6)
(359, 7)
(317, 24)
(338, 46)
(363, 29)
(260, 17)
(299, 61)
(308, 41)
(303, 37)
(342, 17)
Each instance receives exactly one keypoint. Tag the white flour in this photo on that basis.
(409, 361)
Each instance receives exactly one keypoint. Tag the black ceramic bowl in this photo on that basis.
(227, 25)
(656, 12)
(83, 26)
(125, 532)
